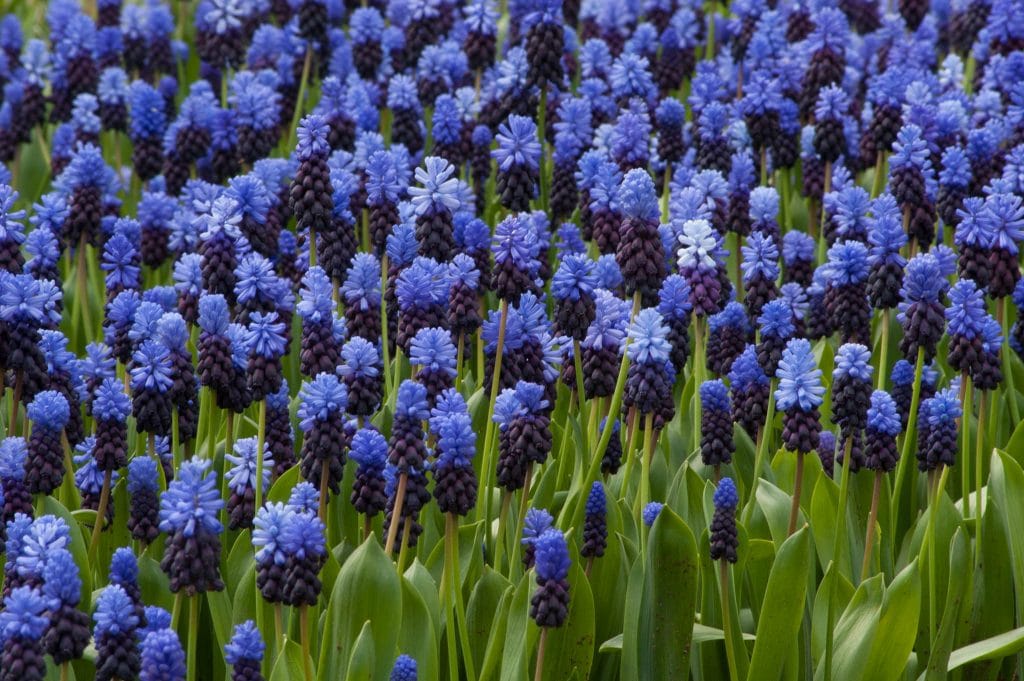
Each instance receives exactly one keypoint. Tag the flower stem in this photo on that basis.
(499, 541)
(404, 550)
(538, 672)
(452, 530)
(298, 105)
(101, 512)
(485, 486)
(965, 440)
(261, 434)
(978, 460)
(645, 476)
(883, 358)
(794, 510)
(1003, 314)
(524, 503)
(307, 660)
(396, 512)
(904, 464)
(928, 543)
(844, 488)
(193, 636)
(459, 357)
(279, 627)
(730, 654)
(878, 180)
(869, 539)
(762, 445)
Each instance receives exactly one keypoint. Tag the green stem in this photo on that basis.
(452, 528)
(929, 543)
(631, 434)
(575, 511)
(844, 488)
(883, 357)
(460, 355)
(904, 464)
(965, 442)
(1004, 321)
(101, 513)
(577, 363)
(879, 179)
(645, 477)
(279, 627)
(538, 672)
(193, 636)
(762, 444)
(499, 541)
(82, 294)
(261, 434)
(794, 511)
(447, 586)
(524, 503)
(486, 466)
(869, 539)
(396, 514)
(307, 659)
(978, 461)
(730, 654)
(299, 99)
(175, 438)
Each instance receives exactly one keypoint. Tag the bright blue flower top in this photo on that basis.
(966, 313)
(115, 612)
(246, 644)
(319, 399)
(574, 278)
(746, 372)
(265, 335)
(714, 396)
(49, 411)
(423, 283)
(853, 361)
(637, 197)
(596, 501)
(192, 501)
(923, 280)
(551, 556)
(438, 187)
(142, 475)
(760, 258)
(651, 512)
(1004, 214)
(648, 339)
(517, 144)
(433, 350)
(312, 138)
(23, 616)
(883, 417)
(945, 408)
(242, 475)
(162, 657)
(404, 669)
(61, 582)
(362, 284)
(726, 497)
(799, 378)
(151, 367)
(776, 320)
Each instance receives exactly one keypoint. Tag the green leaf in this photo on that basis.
(367, 589)
(482, 612)
(570, 647)
(361, 662)
(665, 625)
(897, 627)
(783, 607)
(418, 638)
(1006, 482)
(993, 648)
(959, 569)
(520, 636)
(701, 634)
(496, 641)
(854, 632)
(220, 612)
(288, 667)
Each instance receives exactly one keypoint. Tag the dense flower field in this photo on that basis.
(561, 339)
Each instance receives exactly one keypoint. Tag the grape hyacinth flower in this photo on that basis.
(549, 606)
(846, 300)
(124, 572)
(518, 157)
(716, 443)
(798, 257)
(798, 397)
(242, 482)
(17, 499)
(318, 347)
(369, 449)
(700, 258)
(573, 288)
(189, 511)
(921, 311)
(911, 177)
(421, 292)
(729, 332)
(1004, 217)
(147, 124)
(68, 632)
(434, 202)
(361, 291)
(463, 296)
(649, 381)
(268, 529)
(114, 634)
(545, 43)
(886, 239)
(749, 385)
(724, 539)
(44, 467)
(776, 328)
(244, 652)
(524, 417)
(455, 483)
(23, 623)
(942, 441)
(322, 405)
(363, 375)
(303, 544)
(760, 270)
(602, 346)
(162, 657)
(144, 506)
(404, 670)
(278, 433)
(310, 197)
(151, 383)
(266, 342)
(640, 253)
(650, 513)
(851, 395)
(434, 355)
(595, 527)
(516, 266)
(883, 426)
(965, 317)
